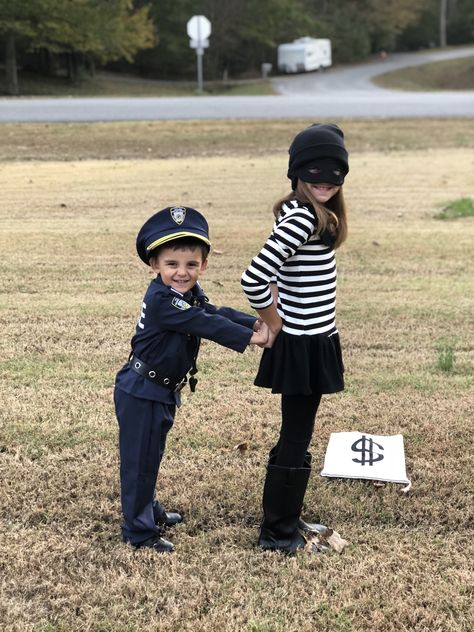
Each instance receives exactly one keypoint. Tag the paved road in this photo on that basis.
(358, 78)
(346, 92)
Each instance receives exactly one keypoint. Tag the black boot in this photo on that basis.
(272, 457)
(302, 524)
(283, 496)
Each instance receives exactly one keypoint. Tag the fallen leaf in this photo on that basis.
(241, 447)
(336, 542)
(322, 539)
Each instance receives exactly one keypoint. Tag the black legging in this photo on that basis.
(298, 413)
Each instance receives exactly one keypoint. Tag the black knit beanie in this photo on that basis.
(319, 141)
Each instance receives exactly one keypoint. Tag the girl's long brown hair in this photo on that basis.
(332, 216)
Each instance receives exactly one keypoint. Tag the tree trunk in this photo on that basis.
(90, 66)
(72, 67)
(48, 63)
(10, 65)
(70, 70)
(443, 7)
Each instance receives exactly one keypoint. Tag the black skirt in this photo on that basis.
(302, 365)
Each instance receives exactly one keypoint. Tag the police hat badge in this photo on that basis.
(172, 222)
(178, 213)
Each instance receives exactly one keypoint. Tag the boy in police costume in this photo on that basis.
(175, 315)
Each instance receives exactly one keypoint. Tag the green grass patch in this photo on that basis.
(454, 74)
(463, 207)
(445, 349)
(116, 85)
(258, 626)
(251, 88)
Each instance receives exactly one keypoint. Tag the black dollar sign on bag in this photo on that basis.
(368, 456)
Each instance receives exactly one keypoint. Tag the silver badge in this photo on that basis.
(178, 213)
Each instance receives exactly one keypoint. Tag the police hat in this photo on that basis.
(173, 222)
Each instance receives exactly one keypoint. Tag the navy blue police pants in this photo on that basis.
(143, 426)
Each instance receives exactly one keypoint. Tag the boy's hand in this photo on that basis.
(260, 336)
(258, 324)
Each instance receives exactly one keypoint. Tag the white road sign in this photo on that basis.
(202, 44)
(198, 28)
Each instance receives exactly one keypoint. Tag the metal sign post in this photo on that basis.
(199, 29)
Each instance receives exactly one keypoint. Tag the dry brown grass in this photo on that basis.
(172, 139)
(72, 288)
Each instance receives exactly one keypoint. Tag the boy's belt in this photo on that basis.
(154, 375)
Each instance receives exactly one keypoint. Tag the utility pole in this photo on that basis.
(443, 9)
(10, 65)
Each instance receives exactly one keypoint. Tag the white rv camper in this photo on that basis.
(304, 54)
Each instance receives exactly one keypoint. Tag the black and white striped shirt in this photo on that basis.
(304, 269)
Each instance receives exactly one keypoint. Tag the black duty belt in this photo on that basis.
(155, 376)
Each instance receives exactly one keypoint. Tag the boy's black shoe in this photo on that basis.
(170, 519)
(160, 545)
(165, 518)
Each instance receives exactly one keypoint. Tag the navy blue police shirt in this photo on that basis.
(168, 333)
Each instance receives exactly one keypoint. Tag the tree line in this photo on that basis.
(148, 37)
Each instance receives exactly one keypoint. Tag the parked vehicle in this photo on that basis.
(304, 54)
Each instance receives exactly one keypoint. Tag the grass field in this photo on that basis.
(73, 198)
(454, 74)
(108, 84)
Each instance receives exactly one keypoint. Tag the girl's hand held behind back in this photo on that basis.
(272, 336)
(260, 337)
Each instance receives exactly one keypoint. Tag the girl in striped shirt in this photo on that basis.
(292, 285)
